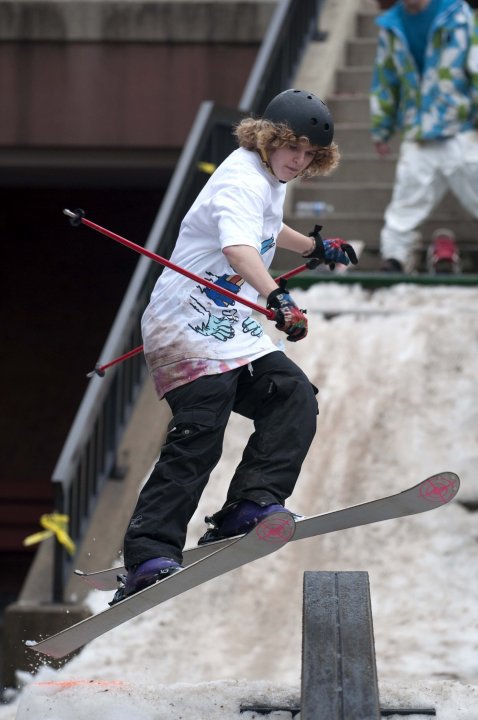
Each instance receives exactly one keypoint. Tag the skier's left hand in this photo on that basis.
(332, 250)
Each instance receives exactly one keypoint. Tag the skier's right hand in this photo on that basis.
(289, 318)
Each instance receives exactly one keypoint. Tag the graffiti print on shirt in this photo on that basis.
(223, 327)
(267, 245)
(233, 283)
(219, 327)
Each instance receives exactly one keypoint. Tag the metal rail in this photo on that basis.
(89, 455)
(339, 675)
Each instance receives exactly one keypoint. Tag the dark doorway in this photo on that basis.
(61, 288)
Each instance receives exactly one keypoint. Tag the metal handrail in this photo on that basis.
(89, 454)
(293, 26)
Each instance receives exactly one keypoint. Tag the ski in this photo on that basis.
(431, 493)
(267, 536)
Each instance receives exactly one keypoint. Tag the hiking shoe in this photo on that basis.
(237, 519)
(143, 575)
(390, 265)
(442, 255)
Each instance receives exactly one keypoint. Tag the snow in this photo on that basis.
(397, 374)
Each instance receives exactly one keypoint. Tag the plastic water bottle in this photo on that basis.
(315, 208)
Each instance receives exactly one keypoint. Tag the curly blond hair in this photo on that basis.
(265, 136)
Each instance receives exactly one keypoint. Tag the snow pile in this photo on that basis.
(398, 402)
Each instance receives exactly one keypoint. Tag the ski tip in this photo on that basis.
(440, 489)
(41, 647)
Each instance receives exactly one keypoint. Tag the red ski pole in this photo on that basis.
(310, 265)
(78, 218)
(100, 369)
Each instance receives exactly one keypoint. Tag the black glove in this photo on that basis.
(331, 251)
(290, 318)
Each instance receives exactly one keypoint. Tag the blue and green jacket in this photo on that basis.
(444, 99)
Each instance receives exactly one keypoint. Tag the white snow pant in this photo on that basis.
(425, 171)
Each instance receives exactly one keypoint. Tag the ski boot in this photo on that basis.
(442, 255)
(143, 575)
(390, 265)
(237, 519)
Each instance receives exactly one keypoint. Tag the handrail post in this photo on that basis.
(58, 588)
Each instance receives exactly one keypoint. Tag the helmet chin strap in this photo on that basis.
(266, 163)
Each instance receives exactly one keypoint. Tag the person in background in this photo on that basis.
(208, 356)
(425, 86)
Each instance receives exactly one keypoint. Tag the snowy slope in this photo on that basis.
(397, 373)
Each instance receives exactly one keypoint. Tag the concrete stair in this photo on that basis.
(361, 187)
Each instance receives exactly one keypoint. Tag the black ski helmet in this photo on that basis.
(305, 113)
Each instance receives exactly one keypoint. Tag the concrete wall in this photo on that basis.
(135, 20)
(127, 95)
(121, 74)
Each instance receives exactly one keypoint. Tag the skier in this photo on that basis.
(208, 357)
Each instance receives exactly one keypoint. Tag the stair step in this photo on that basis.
(361, 51)
(353, 80)
(371, 262)
(366, 197)
(365, 167)
(350, 107)
(344, 197)
(367, 226)
(365, 26)
(352, 137)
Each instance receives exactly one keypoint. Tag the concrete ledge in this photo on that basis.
(215, 21)
(25, 622)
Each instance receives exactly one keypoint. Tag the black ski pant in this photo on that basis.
(275, 393)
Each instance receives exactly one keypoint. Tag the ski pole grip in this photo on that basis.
(75, 217)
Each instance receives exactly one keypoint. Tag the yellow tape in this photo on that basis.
(54, 524)
(206, 167)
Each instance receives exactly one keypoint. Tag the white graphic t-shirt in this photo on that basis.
(190, 330)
